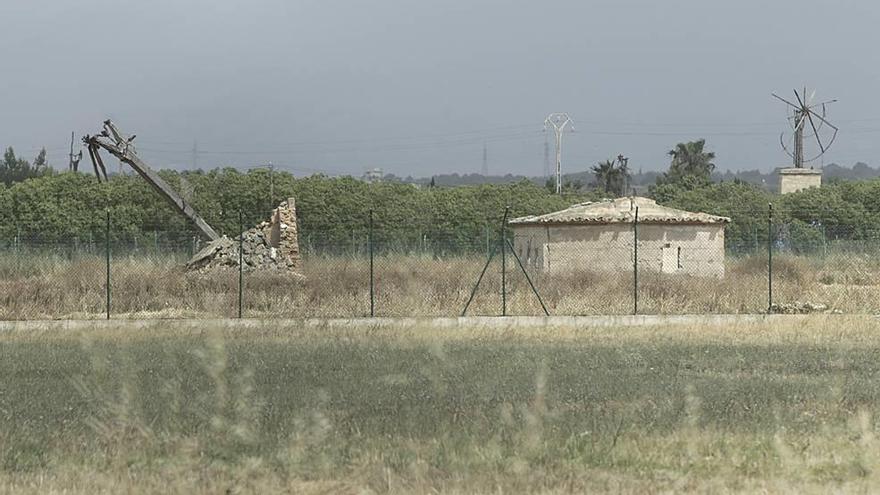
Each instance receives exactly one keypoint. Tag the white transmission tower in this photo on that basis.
(559, 122)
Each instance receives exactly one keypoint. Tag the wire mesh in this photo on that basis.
(704, 268)
(819, 264)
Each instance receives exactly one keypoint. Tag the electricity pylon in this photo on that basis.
(559, 122)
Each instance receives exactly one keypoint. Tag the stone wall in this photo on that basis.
(668, 248)
(795, 179)
(281, 231)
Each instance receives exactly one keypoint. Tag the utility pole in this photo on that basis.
(622, 162)
(485, 169)
(559, 122)
(73, 164)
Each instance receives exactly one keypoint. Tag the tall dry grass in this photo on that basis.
(733, 408)
(47, 286)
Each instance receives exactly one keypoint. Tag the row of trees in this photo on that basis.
(67, 206)
(332, 211)
(16, 169)
(691, 165)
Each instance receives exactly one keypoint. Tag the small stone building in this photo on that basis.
(598, 237)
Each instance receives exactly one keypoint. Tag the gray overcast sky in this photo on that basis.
(417, 87)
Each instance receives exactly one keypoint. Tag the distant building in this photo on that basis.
(598, 237)
(373, 175)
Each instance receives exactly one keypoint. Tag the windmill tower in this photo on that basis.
(808, 122)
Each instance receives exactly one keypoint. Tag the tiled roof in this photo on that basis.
(621, 210)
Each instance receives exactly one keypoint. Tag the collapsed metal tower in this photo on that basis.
(112, 140)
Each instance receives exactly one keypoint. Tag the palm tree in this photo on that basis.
(612, 177)
(604, 173)
(691, 159)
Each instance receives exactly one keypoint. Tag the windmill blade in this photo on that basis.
(829, 124)
(802, 106)
(823, 103)
(815, 131)
(821, 124)
(784, 100)
(784, 147)
(823, 115)
(833, 137)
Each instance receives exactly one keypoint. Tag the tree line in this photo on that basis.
(48, 207)
(67, 207)
(16, 169)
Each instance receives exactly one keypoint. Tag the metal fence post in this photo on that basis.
(107, 252)
(504, 263)
(769, 257)
(528, 279)
(479, 280)
(636, 262)
(240, 264)
(372, 276)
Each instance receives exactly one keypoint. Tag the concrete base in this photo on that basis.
(469, 322)
(796, 179)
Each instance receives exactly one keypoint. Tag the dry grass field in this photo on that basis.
(51, 286)
(787, 408)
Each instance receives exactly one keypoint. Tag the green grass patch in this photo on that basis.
(416, 410)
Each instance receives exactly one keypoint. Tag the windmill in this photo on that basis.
(807, 120)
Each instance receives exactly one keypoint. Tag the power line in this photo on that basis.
(386, 139)
(402, 147)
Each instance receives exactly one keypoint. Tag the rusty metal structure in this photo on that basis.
(112, 140)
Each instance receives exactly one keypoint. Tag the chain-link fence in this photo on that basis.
(758, 262)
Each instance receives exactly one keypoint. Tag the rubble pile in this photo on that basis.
(798, 308)
(271, 245)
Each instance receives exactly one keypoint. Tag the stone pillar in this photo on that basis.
(795, 179)
(282, 234)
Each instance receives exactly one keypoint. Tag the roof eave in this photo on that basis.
(722, 221)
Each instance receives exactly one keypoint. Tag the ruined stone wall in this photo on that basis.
(281, 233)
(273, 245)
